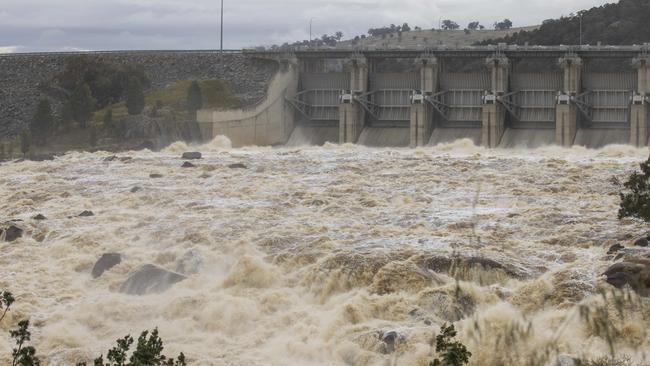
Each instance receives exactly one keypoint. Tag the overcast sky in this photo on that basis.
(48, 25)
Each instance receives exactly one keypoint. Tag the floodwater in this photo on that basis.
(313, 255)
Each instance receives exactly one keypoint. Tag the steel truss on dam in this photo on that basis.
(497, 96)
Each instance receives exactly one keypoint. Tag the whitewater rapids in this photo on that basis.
(311, 256)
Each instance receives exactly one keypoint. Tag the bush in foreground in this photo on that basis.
(635, 198)
(148, 352)
(451, 352)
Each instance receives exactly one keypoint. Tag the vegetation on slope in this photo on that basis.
(624, 23)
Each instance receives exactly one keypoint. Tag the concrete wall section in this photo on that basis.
(565, 124)
(639, 125)
(270, 122)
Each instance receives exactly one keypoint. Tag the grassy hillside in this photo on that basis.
(624, 23)
(431, 38)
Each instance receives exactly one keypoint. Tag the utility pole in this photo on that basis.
(222, 27)
(580, 29)
(310, 23)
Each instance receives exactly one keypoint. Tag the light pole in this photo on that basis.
(221, 27)
(581, 29)
(310, 24)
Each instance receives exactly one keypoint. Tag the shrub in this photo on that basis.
(635, 198)
(451, 353)
(23, 354)
(148, 352)
(6, 300)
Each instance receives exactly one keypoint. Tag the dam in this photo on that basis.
(497, 96)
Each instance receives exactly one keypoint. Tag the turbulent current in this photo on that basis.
(334, 255)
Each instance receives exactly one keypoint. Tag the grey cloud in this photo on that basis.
(44, 25)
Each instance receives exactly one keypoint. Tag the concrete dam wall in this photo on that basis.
(25, 78)
(497, 96)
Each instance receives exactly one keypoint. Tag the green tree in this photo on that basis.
(23, 354)
(194, 97)
(134, 97)
(25, 141)
(82, 104)
(42, 122)
(473, 25)
(449, 25)
(504, 25)
(635, 198)
(6, 300)
(452, 353)
(148, 352)
(107, 81)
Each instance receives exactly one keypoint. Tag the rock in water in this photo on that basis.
(388, 339)
(634, 272)
(155, 175)
(10, 232)
(642, 242)
(187, 164)
(237, 166)
(106, 262)
(615, 248)
(87, 213)
(110, 158)
(189, 263)
(192, 155)
(563, 360)
(39, 217)
(150, 279)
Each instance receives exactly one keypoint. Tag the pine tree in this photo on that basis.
(43, 122)
(134, 97)
(82, 104)
(194, 97)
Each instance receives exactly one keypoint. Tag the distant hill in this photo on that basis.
(431, 37)
(624, 23)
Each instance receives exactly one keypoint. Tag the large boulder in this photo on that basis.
(10, 232)
(191, 155)
(106, 262)
(634, 273)
(150, 279)
(39, 217)
(642, 242)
